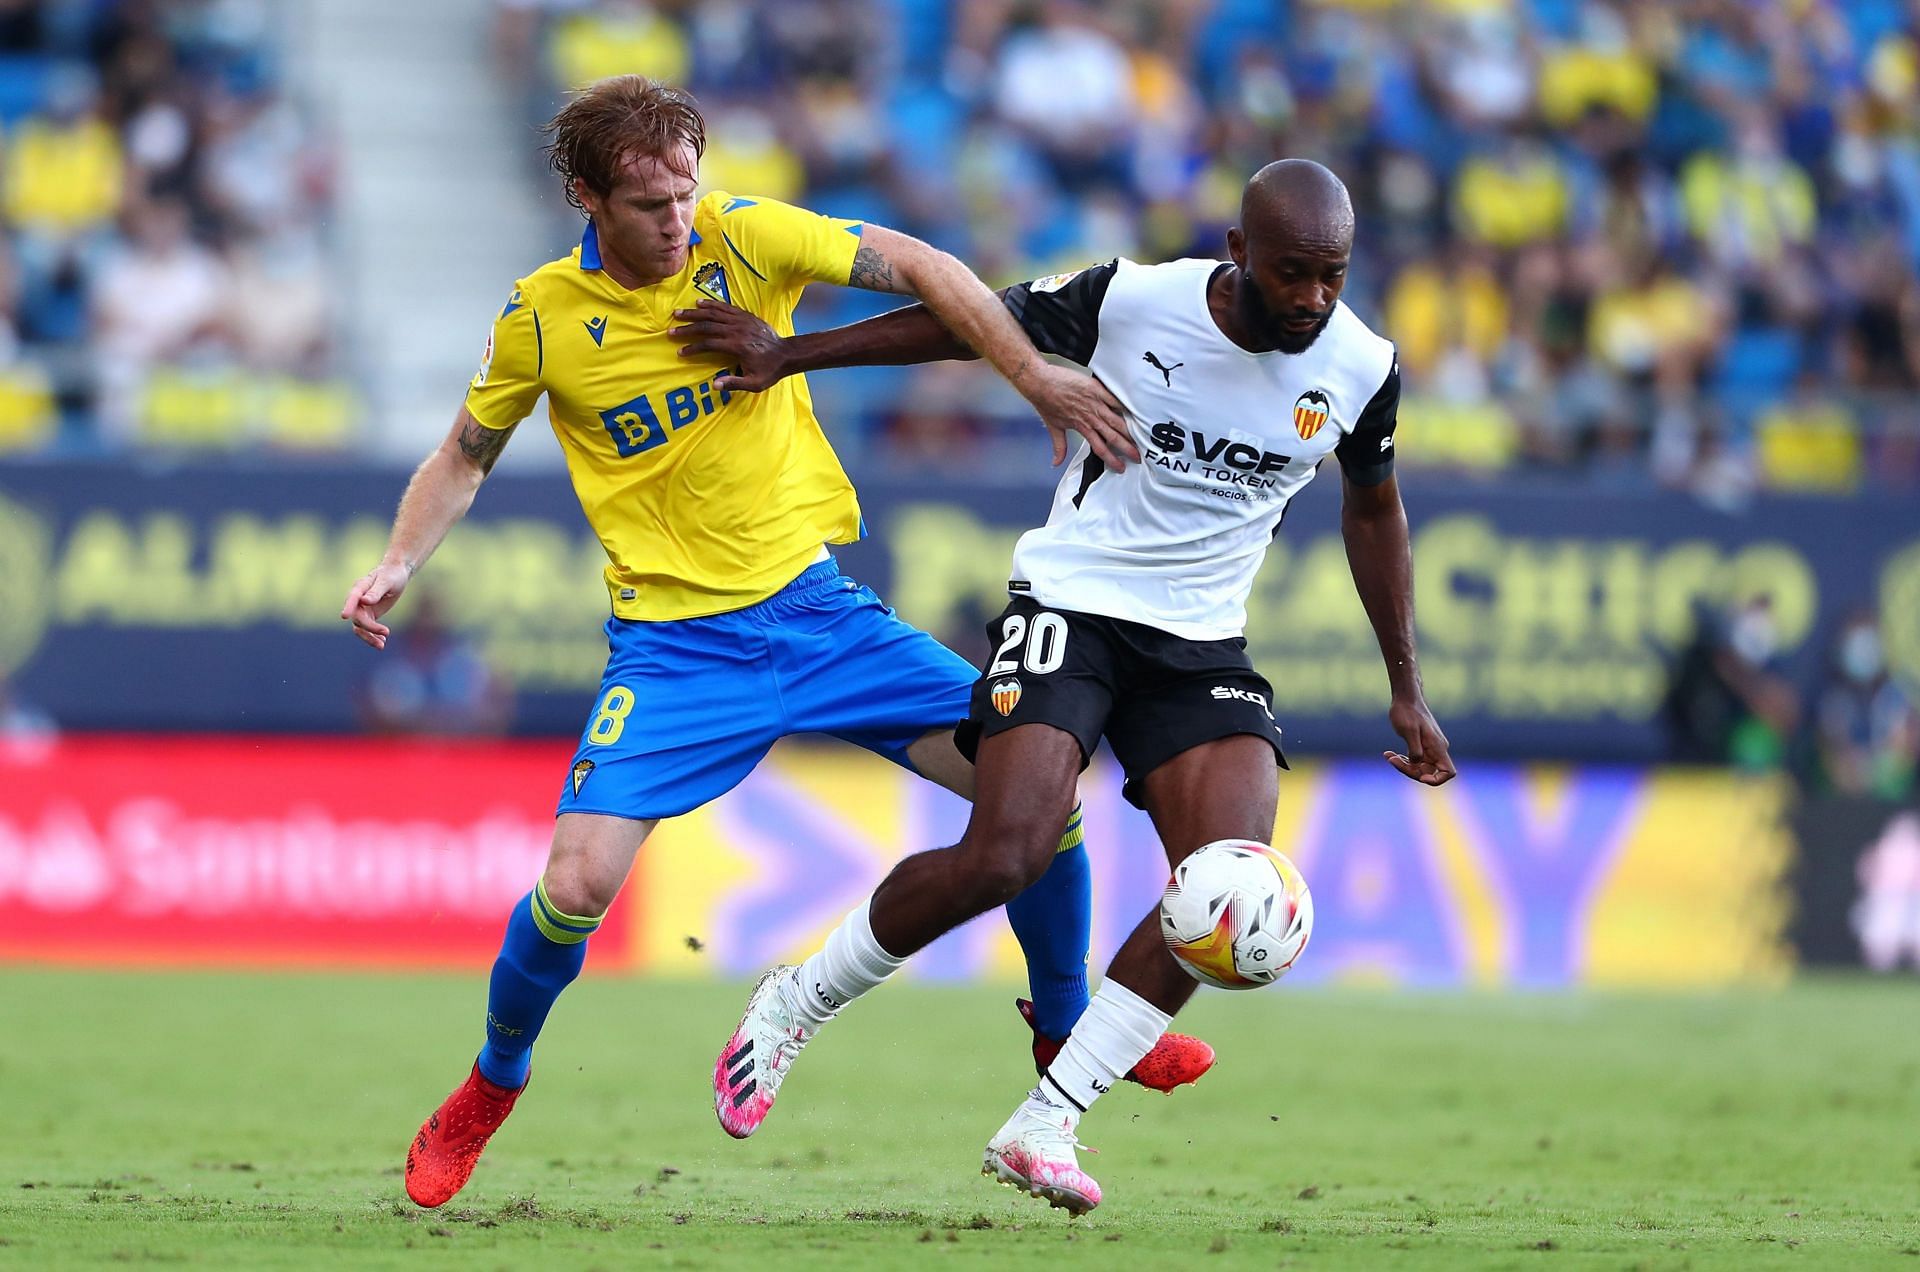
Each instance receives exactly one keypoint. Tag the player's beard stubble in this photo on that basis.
(1260, 321)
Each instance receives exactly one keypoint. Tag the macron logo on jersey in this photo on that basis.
(597, 328)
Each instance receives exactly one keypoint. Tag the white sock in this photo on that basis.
(1117, 1031)
(847, 966)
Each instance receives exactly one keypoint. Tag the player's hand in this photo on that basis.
(371, 598)
(712, 327)
(1426, 759)
(1067, 400)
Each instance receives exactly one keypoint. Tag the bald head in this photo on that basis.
(1291, 249)
(1297, 200)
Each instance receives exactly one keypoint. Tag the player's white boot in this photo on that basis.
(750, 1068)
(1034, 1152)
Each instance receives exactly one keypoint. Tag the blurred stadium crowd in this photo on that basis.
(164, 280)
(1625, 244)
(1645, 241)
(1639, 242)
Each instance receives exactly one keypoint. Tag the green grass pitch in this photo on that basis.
(259, 1121)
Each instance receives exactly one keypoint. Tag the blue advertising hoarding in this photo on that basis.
(207, 597)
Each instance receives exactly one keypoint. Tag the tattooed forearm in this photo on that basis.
(872, 271)
(483, 445)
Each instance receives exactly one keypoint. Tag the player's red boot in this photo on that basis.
(1175, 1060)
(442, 1156)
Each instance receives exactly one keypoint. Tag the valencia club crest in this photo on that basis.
(1006, 695)
(1310, 411)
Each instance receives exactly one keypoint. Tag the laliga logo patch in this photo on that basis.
(1310, 411)
(580, 772)
(1054, 282)
(712, 280)
(1006, 695)
(486, 361)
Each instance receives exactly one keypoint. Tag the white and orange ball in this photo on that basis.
(1236, 914)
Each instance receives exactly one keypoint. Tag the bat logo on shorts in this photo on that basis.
(1006, 695)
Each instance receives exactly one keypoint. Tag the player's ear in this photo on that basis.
(1237, 246)
(589, 198)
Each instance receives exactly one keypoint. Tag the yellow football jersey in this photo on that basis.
(705, 501)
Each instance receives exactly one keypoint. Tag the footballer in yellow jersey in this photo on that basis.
(706, 500)
(731, 626)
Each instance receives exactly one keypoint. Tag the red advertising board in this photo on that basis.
(269, 850)
(246, 851)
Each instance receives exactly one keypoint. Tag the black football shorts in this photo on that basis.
(1152, 694)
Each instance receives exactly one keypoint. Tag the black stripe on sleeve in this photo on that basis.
(1061, 314)
(1366, 454)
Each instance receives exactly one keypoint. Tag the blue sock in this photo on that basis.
(1053, 920)
(542, 953)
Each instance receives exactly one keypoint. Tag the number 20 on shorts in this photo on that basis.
(611, 720)
(1046, 644)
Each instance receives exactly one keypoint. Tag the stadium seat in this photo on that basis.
(923, 37)
(24, 83)
(28, 419)
(1759, 364)
(925, 122)
(1809, 446)
(1479, 436)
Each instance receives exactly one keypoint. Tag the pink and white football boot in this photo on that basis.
(750, 1068)
(1034, 1152)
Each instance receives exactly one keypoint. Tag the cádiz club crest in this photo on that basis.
(712, 280)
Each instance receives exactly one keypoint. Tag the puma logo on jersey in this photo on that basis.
(597, 328)
(1165, 370)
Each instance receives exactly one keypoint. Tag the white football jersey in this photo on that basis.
(1226, 438)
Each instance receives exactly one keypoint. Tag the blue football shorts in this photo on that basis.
(688, 707)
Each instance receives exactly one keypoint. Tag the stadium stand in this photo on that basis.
(1665, 244)
(1635, 241)
(164, 271)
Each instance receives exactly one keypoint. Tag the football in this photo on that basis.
(1236, 914)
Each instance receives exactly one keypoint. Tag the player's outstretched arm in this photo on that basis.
(898, 338)
(439, 494)
(889, 261)
(1374, 525)
(958, 318)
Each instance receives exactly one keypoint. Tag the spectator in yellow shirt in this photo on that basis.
(1440, 304)
(1577, 78)
(1512, 197)
(1749, 206)
(618, 37)
(1659, 326)
(62, 174)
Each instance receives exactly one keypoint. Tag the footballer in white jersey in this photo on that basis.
(1236, 380)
